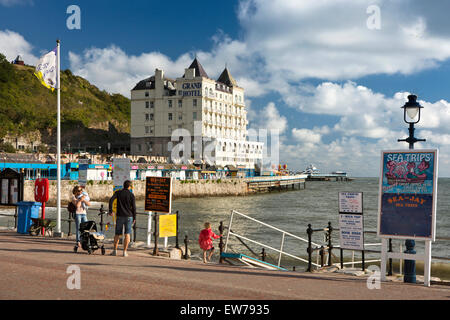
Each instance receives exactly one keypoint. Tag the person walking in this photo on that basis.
(81, 202)
(126, 215)
(205, 241)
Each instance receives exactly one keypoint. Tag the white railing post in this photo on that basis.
(353, 259)
(149, 229)
(281, 249)
(427, 264)
(229, 230)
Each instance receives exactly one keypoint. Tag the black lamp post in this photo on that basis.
(411, 116)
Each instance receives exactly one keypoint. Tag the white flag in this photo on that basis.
(46, 70)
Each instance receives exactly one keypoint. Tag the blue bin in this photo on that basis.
(27, 210)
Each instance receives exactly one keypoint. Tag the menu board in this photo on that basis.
(158, 194)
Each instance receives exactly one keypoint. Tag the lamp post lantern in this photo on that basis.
(411, 116)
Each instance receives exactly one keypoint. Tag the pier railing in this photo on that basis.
(283, 235)
(323, 249)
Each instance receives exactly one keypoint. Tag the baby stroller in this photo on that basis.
(90, 239)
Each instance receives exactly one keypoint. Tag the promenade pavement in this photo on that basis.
(36, 268)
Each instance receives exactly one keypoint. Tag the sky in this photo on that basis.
(330, 76)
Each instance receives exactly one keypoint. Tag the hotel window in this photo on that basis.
(149, 146)
(139, 147)
(169, 129)
(194, 102)
(147, 129)
(147, 104)
(170, 117)
(151, 116)
(147, 93)
(180, 103)
(210, 92)
(147, 117)
(180, 116)
(194, 115)
(170, 103)
(152, 104)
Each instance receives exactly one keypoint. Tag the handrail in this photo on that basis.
(269, 247)
(275, 228)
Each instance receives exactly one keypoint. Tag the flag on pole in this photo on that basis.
(46, 69)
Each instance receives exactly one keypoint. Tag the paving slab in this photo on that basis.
(37, 268)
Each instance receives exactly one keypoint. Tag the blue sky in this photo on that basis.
(323, 73)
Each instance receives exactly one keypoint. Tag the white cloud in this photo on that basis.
(269, 118)
(284, 42)
(368, 122)
(13, 44)
(329, 39)
(306, 135)
(113, 70)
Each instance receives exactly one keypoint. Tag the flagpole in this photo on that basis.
(58, 88)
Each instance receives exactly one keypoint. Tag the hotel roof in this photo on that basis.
(199, 70)
(149, 83)
(227, 79)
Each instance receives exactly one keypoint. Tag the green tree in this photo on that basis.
(7, 147)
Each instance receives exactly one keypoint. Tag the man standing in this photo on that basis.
(126, 215)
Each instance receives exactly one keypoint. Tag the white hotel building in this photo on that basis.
(160, 105)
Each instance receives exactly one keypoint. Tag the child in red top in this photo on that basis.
(205, 241)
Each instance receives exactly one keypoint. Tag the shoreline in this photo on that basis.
(102, 191)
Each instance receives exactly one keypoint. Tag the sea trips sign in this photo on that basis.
(351, 221)
(407, 197)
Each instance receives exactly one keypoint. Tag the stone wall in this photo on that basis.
(101, 192)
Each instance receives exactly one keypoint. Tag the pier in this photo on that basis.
(271, 183)
(328, 177)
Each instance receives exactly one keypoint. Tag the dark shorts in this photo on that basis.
(122, 222)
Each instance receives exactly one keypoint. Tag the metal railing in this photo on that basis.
(266, 246)
(390, 249)
(100, 221)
